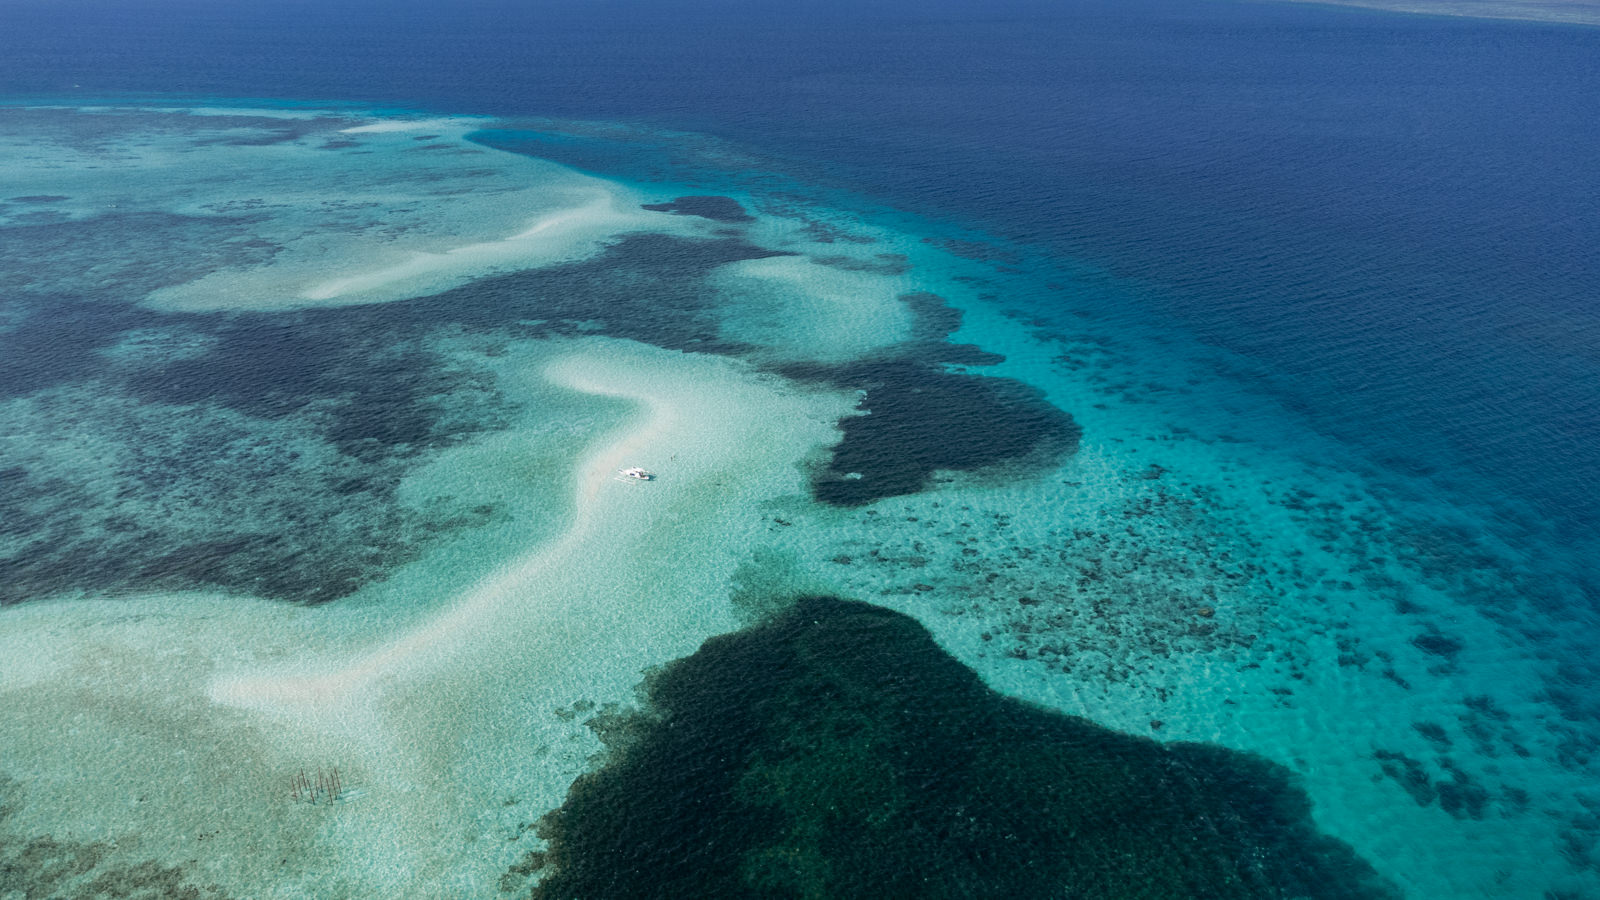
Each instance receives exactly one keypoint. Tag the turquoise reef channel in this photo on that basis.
(835, 751)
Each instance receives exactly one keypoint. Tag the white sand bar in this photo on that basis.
(169, 728)
(593, 217)
(375, 212)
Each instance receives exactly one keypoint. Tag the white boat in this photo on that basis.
(638, 474)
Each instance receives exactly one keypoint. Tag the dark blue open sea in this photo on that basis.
(1365, 242)
(1392, 217)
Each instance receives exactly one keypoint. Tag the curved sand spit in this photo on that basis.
(149, 722)
(598, 500)
(568, 232)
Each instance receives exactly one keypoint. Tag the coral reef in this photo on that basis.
(836, 751)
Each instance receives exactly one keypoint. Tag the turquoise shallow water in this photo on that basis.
(1313, 285)
(304, 420)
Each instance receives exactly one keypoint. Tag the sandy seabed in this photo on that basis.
(172, 727)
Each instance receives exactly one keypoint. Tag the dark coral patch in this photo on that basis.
(69, 286)
(836, 751)
(921, 419)
(933, 321)
(879, 264)
(58, 339)
(1437, 643)
(717, 209)
(647, 287)
(933, 318)
(1458, 793)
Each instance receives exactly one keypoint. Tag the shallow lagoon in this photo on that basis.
(312, 423)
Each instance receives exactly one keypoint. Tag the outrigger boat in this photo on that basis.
(637, 474)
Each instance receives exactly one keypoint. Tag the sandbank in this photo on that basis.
(568, 232)
(169, 728)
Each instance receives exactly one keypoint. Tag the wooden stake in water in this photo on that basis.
(326, 787)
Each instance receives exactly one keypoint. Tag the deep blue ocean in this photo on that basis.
(1394, 217)
(1387, 224)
